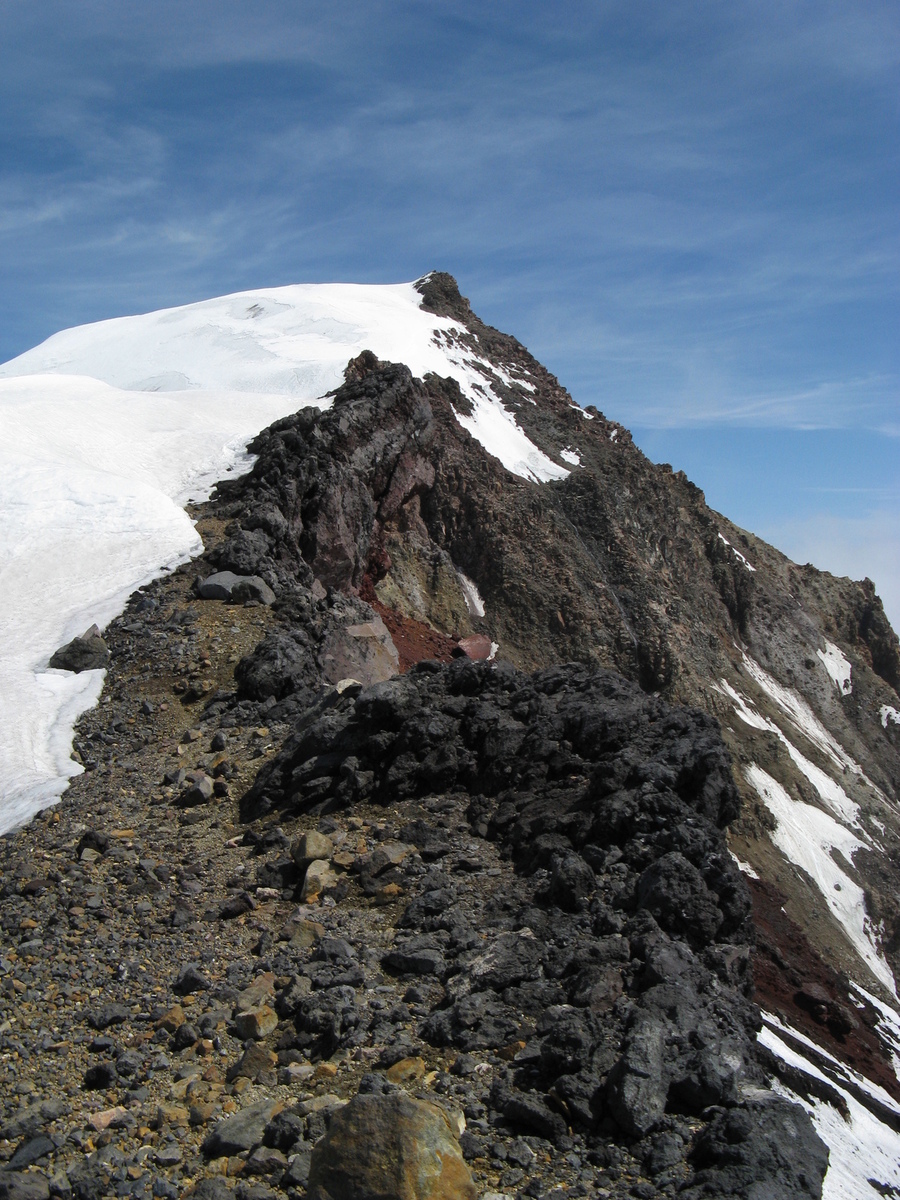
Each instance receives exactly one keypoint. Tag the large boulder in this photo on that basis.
(363, 650)
(389, 1145)
(89, 652)
(226, 585)
(766, 1148)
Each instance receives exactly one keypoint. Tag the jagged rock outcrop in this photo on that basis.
(621, 564)
(516, 896)
(627, 959)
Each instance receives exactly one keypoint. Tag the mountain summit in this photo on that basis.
(596, 775)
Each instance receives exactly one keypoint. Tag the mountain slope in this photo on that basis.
(620, 564)
(108, 429)
(447, 498)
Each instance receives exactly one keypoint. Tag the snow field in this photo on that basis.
(829, 791)
(837, 666)
(861, 1148)
(474, 602)
(802, 717)
(807, 837)
(107, 429)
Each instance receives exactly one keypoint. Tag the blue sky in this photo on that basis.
(688, 211)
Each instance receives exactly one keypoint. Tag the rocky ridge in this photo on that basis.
(523, 909)
(193, 995)
(386, 496)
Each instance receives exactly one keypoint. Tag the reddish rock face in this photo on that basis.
(476, 647)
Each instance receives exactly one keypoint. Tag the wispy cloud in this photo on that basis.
(690, 210)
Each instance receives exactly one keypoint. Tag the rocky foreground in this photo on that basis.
(462, 932)
(347, 904)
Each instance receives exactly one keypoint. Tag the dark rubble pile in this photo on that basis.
(613, 972)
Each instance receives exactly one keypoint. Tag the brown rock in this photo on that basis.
(406, 1071)
(254, 1062)
(257, 993)
(256, 1023)
(385, 856)
(302, 933)
(102, 1120)
(508, 1053)
(318, 877)
(173, 1019)
(378, 1146)
(171, 1114)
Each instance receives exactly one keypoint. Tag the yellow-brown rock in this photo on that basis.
(389, 1145)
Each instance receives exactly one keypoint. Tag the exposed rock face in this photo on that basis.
(386, 497)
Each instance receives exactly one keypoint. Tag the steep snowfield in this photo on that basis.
(864, 1151)
(107, 429)
(806, 835)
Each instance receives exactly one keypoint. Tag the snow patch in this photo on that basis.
(803, 718)
(889, 714)
(807, 837)
(474, 602)
(829, 791)
(861, 1148)
(613, 434)
(737, 554)
(837, 667)
(744, 867)
(494, 426)
(888, 1025)
(512, 381)
(92, 480)
(570, 456)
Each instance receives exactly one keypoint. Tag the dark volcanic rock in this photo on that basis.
(613, 806)
(766, 1149)
(84, 653)
(242, 1131)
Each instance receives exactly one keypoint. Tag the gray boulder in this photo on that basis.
(766, 1148)
(16, 1185)
(226, 585)
(242, 1131)
(89, 652)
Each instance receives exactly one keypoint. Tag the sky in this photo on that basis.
(687, 211)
